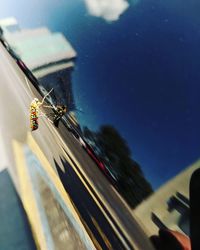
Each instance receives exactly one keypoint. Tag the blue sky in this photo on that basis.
(139, 73)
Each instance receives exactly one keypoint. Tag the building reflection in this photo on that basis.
(48, 55)
(169, 206)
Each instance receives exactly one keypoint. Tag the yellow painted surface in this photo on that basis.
(53, 177)
(103, 236)
(27, 192)
(27, 196)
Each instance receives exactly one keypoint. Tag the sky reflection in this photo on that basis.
(139, 74)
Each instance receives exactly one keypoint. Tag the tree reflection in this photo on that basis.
(115, 152)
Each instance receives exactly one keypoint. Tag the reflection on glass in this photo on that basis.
(127, 174)
(133, 99)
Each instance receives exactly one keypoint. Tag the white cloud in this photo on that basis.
(110, 10)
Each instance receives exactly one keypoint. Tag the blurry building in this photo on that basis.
(168, 207)
(47, 54)
(9, 25)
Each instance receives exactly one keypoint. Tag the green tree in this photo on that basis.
(132, 183)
